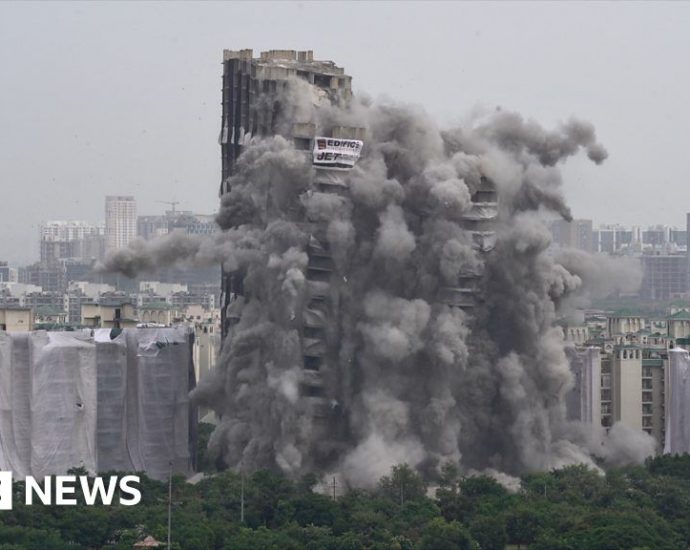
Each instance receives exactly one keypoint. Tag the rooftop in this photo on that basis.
(683, 315)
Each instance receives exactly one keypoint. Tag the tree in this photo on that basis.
(482, 486)
(489, 532)
(522, 525)
(441, 535)
(403, 484)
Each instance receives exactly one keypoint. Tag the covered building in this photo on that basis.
(107, 402)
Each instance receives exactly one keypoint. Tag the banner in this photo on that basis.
(336, 153)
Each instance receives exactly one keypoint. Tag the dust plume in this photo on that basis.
(401, 311)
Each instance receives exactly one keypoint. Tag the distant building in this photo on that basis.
(109, 315)
(16, 319)
(612, 238)
(574, 234)
(45, 301)
(158, 313)
(664, 276)
(51, 277)
(76, 240)
(150, 227)
(8, 274)
(638, 384)
(679, 324)
(583, 402)
(679, 237)
(120, 221)
(81, 293)
(656, 235)
(632, 382)
(656, 239)
(160, 289)
(48, 316)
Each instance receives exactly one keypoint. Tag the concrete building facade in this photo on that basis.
(636, 370)
(664, 276)
(120, 221)
(59, 240)
(16, 319)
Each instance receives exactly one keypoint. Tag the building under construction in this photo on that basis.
(256, 104)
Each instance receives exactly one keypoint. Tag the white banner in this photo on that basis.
(336, 153)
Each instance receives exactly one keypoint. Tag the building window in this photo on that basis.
(647, 397)
(646, 384)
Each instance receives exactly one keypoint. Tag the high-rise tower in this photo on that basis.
(255, 105)
(268, 96)
(120, 221)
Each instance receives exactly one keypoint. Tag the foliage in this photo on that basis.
(573, 508)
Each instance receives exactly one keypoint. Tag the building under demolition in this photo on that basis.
(107, 400)
(256, 103)
(260, 100)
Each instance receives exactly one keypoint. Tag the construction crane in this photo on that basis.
(173, 203)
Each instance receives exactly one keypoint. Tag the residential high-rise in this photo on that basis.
(8, 274)
(664, 276)
(249, 82)
(120, 221)
(611, 238)
(61, 240)
(258, 96)
(254, 104)
(252, 95)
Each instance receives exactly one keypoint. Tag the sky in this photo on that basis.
(124, 98)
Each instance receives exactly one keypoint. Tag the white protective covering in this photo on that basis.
(678, 402)
(15, 413)
(583, 402)
(63, 403)
(68, 399)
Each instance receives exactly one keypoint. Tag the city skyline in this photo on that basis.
(162, 143)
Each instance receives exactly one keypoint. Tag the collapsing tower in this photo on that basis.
(480, 221)
(254, 92)
(252, 108)
(256, 103)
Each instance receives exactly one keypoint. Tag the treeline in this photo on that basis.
(574, 508)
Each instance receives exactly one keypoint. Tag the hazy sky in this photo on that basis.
(124, 98)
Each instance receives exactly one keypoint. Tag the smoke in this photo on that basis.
(393, 313)
(232, 249)
(601, 274)
(512, 133)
